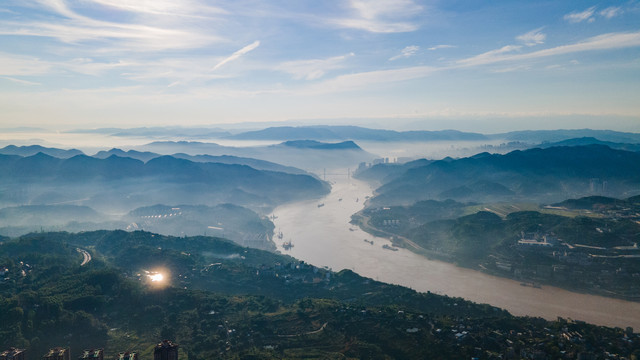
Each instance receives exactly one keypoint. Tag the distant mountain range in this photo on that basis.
(535, 174)
(222, 159)
(352, 133)
(160, 132)
(309, 155)
(34, 149)
(591, 141)
(540, 136)
(126, 183)
(312, 144)
(357, 133)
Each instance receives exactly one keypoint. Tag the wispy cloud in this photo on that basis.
(313, 69)
(19, 65)
(611, 12)
(590, 14)
(237, 54)
(88, 66)
(512, 69)
(369, 78)
(489, 56)
(381, 16)
(20, 81)
(67, 25)
(442, 46)
(601, 42)
(375, 9)
(162, 7)
(576, 17)
(533, 37)
(406, 52)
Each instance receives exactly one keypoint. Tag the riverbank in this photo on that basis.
(323, 236)
(525, 274)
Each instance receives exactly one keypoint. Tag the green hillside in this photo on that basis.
(226, 301)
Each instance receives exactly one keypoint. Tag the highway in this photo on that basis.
(86, 257)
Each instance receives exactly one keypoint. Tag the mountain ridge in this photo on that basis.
(534, 173)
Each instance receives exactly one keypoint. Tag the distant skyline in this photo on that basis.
(476, 66)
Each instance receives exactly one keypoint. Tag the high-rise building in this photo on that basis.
(57, 353)
(166, 350)
(127, 356)
(12, 354)
(97, 354)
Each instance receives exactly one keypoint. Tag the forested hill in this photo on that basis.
(222, 159)
(550, 174)
(220, 300)
(125, 183)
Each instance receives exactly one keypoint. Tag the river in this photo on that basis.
(322, 236)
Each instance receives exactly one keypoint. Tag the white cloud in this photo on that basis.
(16, 65)
(376, 26)
(370, 78)
(69, 26)
(381, 16)
(553, 67)
(406, 52)
(313, 69)
(162, 7)
(489, 56)
(175, 70)
(168, 69)
(610, 12)
(88, 66)
(20, 81)
(533, 37)
(113, 37)
(512, 69)
(375, 9)
(602, 42)
(443, 46)
(576, 17)
(237, 54)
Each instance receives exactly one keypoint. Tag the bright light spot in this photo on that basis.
(156, 277)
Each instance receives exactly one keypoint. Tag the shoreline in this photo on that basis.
(362, 222)
(322, 237)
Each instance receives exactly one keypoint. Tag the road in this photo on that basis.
(86, 257)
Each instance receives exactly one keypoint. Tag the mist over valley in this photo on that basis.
(359, 179)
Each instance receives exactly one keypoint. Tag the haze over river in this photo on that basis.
(322, 236)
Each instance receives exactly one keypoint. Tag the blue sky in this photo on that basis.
(477, 65)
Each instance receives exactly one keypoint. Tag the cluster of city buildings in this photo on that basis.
(165, 350)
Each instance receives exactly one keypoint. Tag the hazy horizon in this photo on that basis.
(482, 125)
(496, 66)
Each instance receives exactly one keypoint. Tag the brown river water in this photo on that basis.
(322, 236)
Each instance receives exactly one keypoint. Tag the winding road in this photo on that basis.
(86, 257)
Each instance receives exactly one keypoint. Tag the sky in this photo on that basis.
(473, 65)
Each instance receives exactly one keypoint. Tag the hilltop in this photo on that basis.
(126, 183)
(532, 175)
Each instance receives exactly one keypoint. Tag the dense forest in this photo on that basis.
(232, 302)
